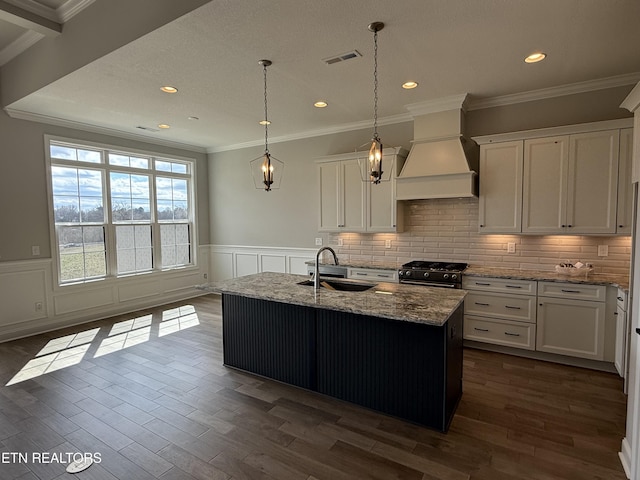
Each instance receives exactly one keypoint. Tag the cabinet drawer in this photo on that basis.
(521, 308)
(578, 291)
(380, 275)
(500, 332)
(503, 285)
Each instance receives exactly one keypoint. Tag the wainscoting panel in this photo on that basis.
(23, 291)
(230, 261)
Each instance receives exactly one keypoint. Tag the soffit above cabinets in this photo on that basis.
(25, 22)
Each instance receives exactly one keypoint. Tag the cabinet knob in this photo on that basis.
(481, 226)
(569, 226)
(563, 226)
(620, 226)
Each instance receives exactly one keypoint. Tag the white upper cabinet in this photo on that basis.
(500, 201)
(350, 203)
(546, 166)
(625, 185)
(571, 184)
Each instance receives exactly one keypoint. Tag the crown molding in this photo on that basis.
(34, 117)
(61, 14)
(19, 45)
(72, 8)
(552, 92)
(452, 102)
(632, 102)
(345, 127)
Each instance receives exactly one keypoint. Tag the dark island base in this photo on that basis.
(408, 370)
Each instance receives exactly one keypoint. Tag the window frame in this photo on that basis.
(109, 225)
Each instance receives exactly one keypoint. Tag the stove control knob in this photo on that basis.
(400, 273)
(445, 276)
(426, 274)
(407, 273)
(453, 276)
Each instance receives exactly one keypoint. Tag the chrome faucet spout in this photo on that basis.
(316, 273)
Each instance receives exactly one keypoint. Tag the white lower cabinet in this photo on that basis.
(567, 323)
(553, 317)
(373, 274)
(500, 311)
(620, 360)
(500, 332)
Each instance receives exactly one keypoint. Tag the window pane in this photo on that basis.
(133, 248)
(130, 197)
(71, 153)
(82, 253)
(77, 195)
(163, 166)
(120, 159)
(172, 195)
(175, 245)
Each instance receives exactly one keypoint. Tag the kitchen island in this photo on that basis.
(393, 348)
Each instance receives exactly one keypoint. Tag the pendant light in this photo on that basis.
(266, 169)
(375, 152)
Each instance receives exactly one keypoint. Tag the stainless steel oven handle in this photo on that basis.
(430, 284)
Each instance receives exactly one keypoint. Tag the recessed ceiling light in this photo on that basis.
(169, 89)
(163, 125)
(409, 85)
(193, 118)
(320, 104)
(535, 57)
(264, 122)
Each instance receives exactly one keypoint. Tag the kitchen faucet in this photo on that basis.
(316, 273)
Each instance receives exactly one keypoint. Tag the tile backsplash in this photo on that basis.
(447, 229)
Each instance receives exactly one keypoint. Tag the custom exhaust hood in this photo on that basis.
(442, 163)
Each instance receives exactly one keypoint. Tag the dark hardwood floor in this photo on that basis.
(149, 394)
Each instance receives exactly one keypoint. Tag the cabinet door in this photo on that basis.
(592, 189)
(621, 340)
(329, 175)
(571, 327)
(625, 186)
(500, 202)
(352, 197)
(382, 207)
(546, 166)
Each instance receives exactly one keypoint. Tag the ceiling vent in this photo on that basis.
(342, 57)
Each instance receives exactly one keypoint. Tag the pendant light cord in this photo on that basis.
(375, 84)
(266, 119)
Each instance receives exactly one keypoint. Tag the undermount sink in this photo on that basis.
(341, 285)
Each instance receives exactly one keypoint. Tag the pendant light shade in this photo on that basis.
(375, 152)
(266, 170)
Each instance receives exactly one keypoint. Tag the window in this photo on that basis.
(119, 213)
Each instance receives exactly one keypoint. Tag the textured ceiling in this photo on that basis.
(450, 47)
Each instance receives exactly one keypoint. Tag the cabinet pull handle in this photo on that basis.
(513, 286)
(512, 308)
(512, 334)
(620, 298)
(570, 291)
(481, 329)
(620, 226)
(615, 313)
(482, 304)
(384, 276)
(638, 331)
(360, 273)
(483, 284)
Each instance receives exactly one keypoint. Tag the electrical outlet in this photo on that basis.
(340, 242)
(511, 247)
(205, 276)
(35, 250)
(38, 306)
(387, 244)
(318, 241)
(603, 250)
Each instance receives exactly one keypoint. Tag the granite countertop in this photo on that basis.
(621, 281)
(409, 303)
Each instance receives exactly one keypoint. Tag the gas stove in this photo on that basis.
(432, 273)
